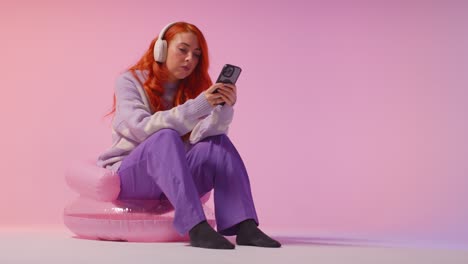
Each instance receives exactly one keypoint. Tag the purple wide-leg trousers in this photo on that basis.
(162, 167)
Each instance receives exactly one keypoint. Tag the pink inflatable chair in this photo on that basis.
(97, 214)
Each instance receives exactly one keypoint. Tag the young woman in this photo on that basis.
(169, 141)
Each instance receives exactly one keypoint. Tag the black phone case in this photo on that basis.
(229, 74)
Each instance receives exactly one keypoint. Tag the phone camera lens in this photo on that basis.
(228, 71)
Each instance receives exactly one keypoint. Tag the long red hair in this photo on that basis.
(158, 74)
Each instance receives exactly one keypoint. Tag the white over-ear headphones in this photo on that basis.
(160, 47)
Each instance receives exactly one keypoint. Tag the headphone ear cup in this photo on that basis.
(160, 50)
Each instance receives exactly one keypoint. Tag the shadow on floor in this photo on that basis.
(328, 241)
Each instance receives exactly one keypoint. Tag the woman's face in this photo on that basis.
(183, 54)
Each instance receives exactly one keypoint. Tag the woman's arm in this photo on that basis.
(134, 120)
(216, 123)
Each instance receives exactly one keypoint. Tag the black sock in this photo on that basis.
(250, 235)
(204, 236)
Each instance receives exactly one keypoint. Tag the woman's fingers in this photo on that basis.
(216, 98)
(226, 99)
(211, 96)
(230, 85)
(229, 90)
(228, 95)
(214, 87)
(225, 93)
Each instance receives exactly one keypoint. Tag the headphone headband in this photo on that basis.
(163, 31)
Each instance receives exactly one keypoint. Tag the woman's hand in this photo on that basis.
(226, 93)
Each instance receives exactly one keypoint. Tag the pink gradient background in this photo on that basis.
(351, 119)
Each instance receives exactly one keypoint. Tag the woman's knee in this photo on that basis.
(165, 134)
(220, 137)
(223, 139)
(217, 141)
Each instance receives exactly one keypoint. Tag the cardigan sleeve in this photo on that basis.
(134, 120)
(216, 123)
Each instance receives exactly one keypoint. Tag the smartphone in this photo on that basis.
(229, 74)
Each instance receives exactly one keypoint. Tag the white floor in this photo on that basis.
(59, 246)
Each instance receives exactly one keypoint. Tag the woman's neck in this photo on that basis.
(172, 81)
(171, 85)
